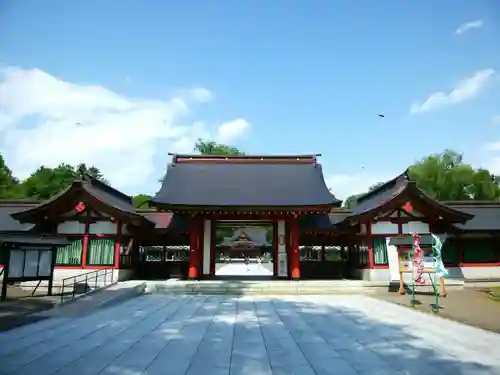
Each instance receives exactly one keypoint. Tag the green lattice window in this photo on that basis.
(380, 251)
(70, 255)
(101, 252)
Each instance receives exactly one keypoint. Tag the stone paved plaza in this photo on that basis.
(208, 335)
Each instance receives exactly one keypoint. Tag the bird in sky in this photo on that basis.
(381, 115)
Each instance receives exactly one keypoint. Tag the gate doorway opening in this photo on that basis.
(243, 250)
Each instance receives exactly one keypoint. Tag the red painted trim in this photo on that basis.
(212, 247)
(85, 240)
(380, 267)
(201, 233)
(275, 248)
(194, 262)
(369, 244)
(294, 254)
(117, 243)
(82, 268)
(89, 235)
(489, 264)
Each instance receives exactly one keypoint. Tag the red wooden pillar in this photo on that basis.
(369, 244)
(118, 243)
(294, 254)
(194, 249)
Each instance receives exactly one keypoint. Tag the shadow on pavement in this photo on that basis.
(207, 335)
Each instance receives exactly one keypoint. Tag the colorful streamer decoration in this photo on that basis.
(418, 261)
(441, 271)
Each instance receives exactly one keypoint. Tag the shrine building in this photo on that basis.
(256, 215)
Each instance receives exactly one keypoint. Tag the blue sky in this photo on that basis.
(121, 84)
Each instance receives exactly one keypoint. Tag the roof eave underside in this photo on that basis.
(255, 208)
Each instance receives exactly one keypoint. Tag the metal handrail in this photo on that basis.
(92, 276)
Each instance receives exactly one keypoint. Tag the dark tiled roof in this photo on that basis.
(244, 185)
(33, 239)
(384, 193)
(486, 215)
(166, 220)
(8, 223)
(109, 195)
(324, 221)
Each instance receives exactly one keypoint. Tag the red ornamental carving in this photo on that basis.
(408, 207)
(80, 207)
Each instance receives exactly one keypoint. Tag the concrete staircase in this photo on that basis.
(272, 287)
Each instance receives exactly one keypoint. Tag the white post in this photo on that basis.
(392, 257)
(282, 255)
(207, 244)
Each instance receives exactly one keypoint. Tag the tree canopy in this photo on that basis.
(205, 147)
(141, 200)
(9, 185)
(446, 177)
(44, 182)
(214, 148)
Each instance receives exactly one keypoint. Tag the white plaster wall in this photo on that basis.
(60, 274)
(373, 274)
(470, 273)
(207, 242)
(71, 227)
(474, 272)
(103, 227)
(415, 227)
(384, 227)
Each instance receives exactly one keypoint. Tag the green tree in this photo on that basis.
(46, 182)
(214, 148)
(446, 177)
(92, 171)
(9, 185)
(141, 200)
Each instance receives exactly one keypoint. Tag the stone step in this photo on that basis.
(278, 287)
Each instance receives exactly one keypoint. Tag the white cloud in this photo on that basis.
(493, 146)
(469, 26)
(345, 185)
(466, 89)
(201, 95)
(232, 130)
(44, 120)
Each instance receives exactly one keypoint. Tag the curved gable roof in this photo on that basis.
(249, 182)
(95, 192)
(396, 192)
